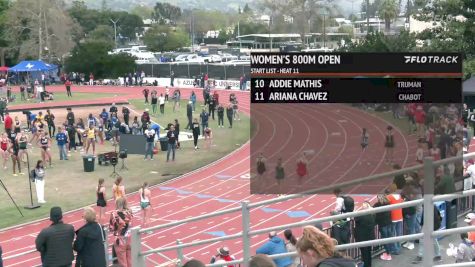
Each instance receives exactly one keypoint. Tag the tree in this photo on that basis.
(378, 42)
(129, 24)
(247, 9)
(39, 29)
(4, 5)
(166, 13)
(388, 11)
(164, 38)
(92, 56)
(102, 33)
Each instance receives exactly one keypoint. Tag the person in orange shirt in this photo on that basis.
(470, 219)
(396, 217)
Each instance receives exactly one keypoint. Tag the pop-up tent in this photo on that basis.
(468, 88)
(33, 66)
(33, 70)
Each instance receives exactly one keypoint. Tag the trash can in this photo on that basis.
(164, 143)
(451, 214)
(88, 163)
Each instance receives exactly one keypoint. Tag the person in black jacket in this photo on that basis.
(229, 114)
(189, 115)
(70, 117)
(196, 132)
(364, 231)
(126, 113)
(89, 243)
(55, 243)
(220, 116)
(383, 220)
(211, 106)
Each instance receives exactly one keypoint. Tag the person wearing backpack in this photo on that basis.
(341, 228)
(316, 249)
(90, 241)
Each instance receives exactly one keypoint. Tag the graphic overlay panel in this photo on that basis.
(323, 119)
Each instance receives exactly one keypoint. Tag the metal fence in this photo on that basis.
(429, 166)
(193, 70)
(139, 256)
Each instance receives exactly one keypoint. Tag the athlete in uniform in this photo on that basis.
(91, 139)
(4, 144)
(389, 145)
(364, 139)
(302, 163)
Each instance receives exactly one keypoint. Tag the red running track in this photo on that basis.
(224, 184)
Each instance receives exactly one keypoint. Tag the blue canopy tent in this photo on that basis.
(34, 69)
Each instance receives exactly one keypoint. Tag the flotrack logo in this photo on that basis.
(431, 59)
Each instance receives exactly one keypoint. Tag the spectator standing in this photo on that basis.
(61, 140)
(364, 231)
(223, 255)
(89, 243)
(167, 93)
(161, 101)
(68, 88)
(55, 243)
(105, 117)
(235, 110)
(177, 133)
(49, 118)
(211, 106)
(229, 114)
(40, 173)
(189, 115)
(126, 114)
(136, 129)
(220, 116)
(204, 120)
(171, 142)
(145, 119)
(196, 132)
(154, 101)
(71, 131)
(91, 79)
(275, 245)
(145, 93)
(290, 243)
(396, 217)
(70, 116)
(341, 228)
(172, 79)
(193, 99)
(120, 224)
(383, 220)
(149, 144)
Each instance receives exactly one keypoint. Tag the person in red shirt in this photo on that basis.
(68, 88)
(420, 118)
(8, 123)
(396, 217)
(223, 255)
(216, 98)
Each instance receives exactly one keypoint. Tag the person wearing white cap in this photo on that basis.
(222, 256)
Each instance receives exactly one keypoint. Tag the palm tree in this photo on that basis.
(388, 11)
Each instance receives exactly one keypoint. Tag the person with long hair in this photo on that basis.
(208, 137)
(389, 145)
(290, 243)
(45, 143)
(316, 248)
(383, 220)
(22, 141)
(4, 145)
(17, 125)
(14, 151)
(145, 196)
(101, 198)
(261, 165)
(118, 190)
(40, 182)
(302, 171)
(120, 225)
(100, 131)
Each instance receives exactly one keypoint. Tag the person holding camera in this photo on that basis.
(223, 255)
(150, 136)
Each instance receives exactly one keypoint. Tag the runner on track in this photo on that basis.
(364, 139)
(279, 174)
(302, 163)
(389, 145)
